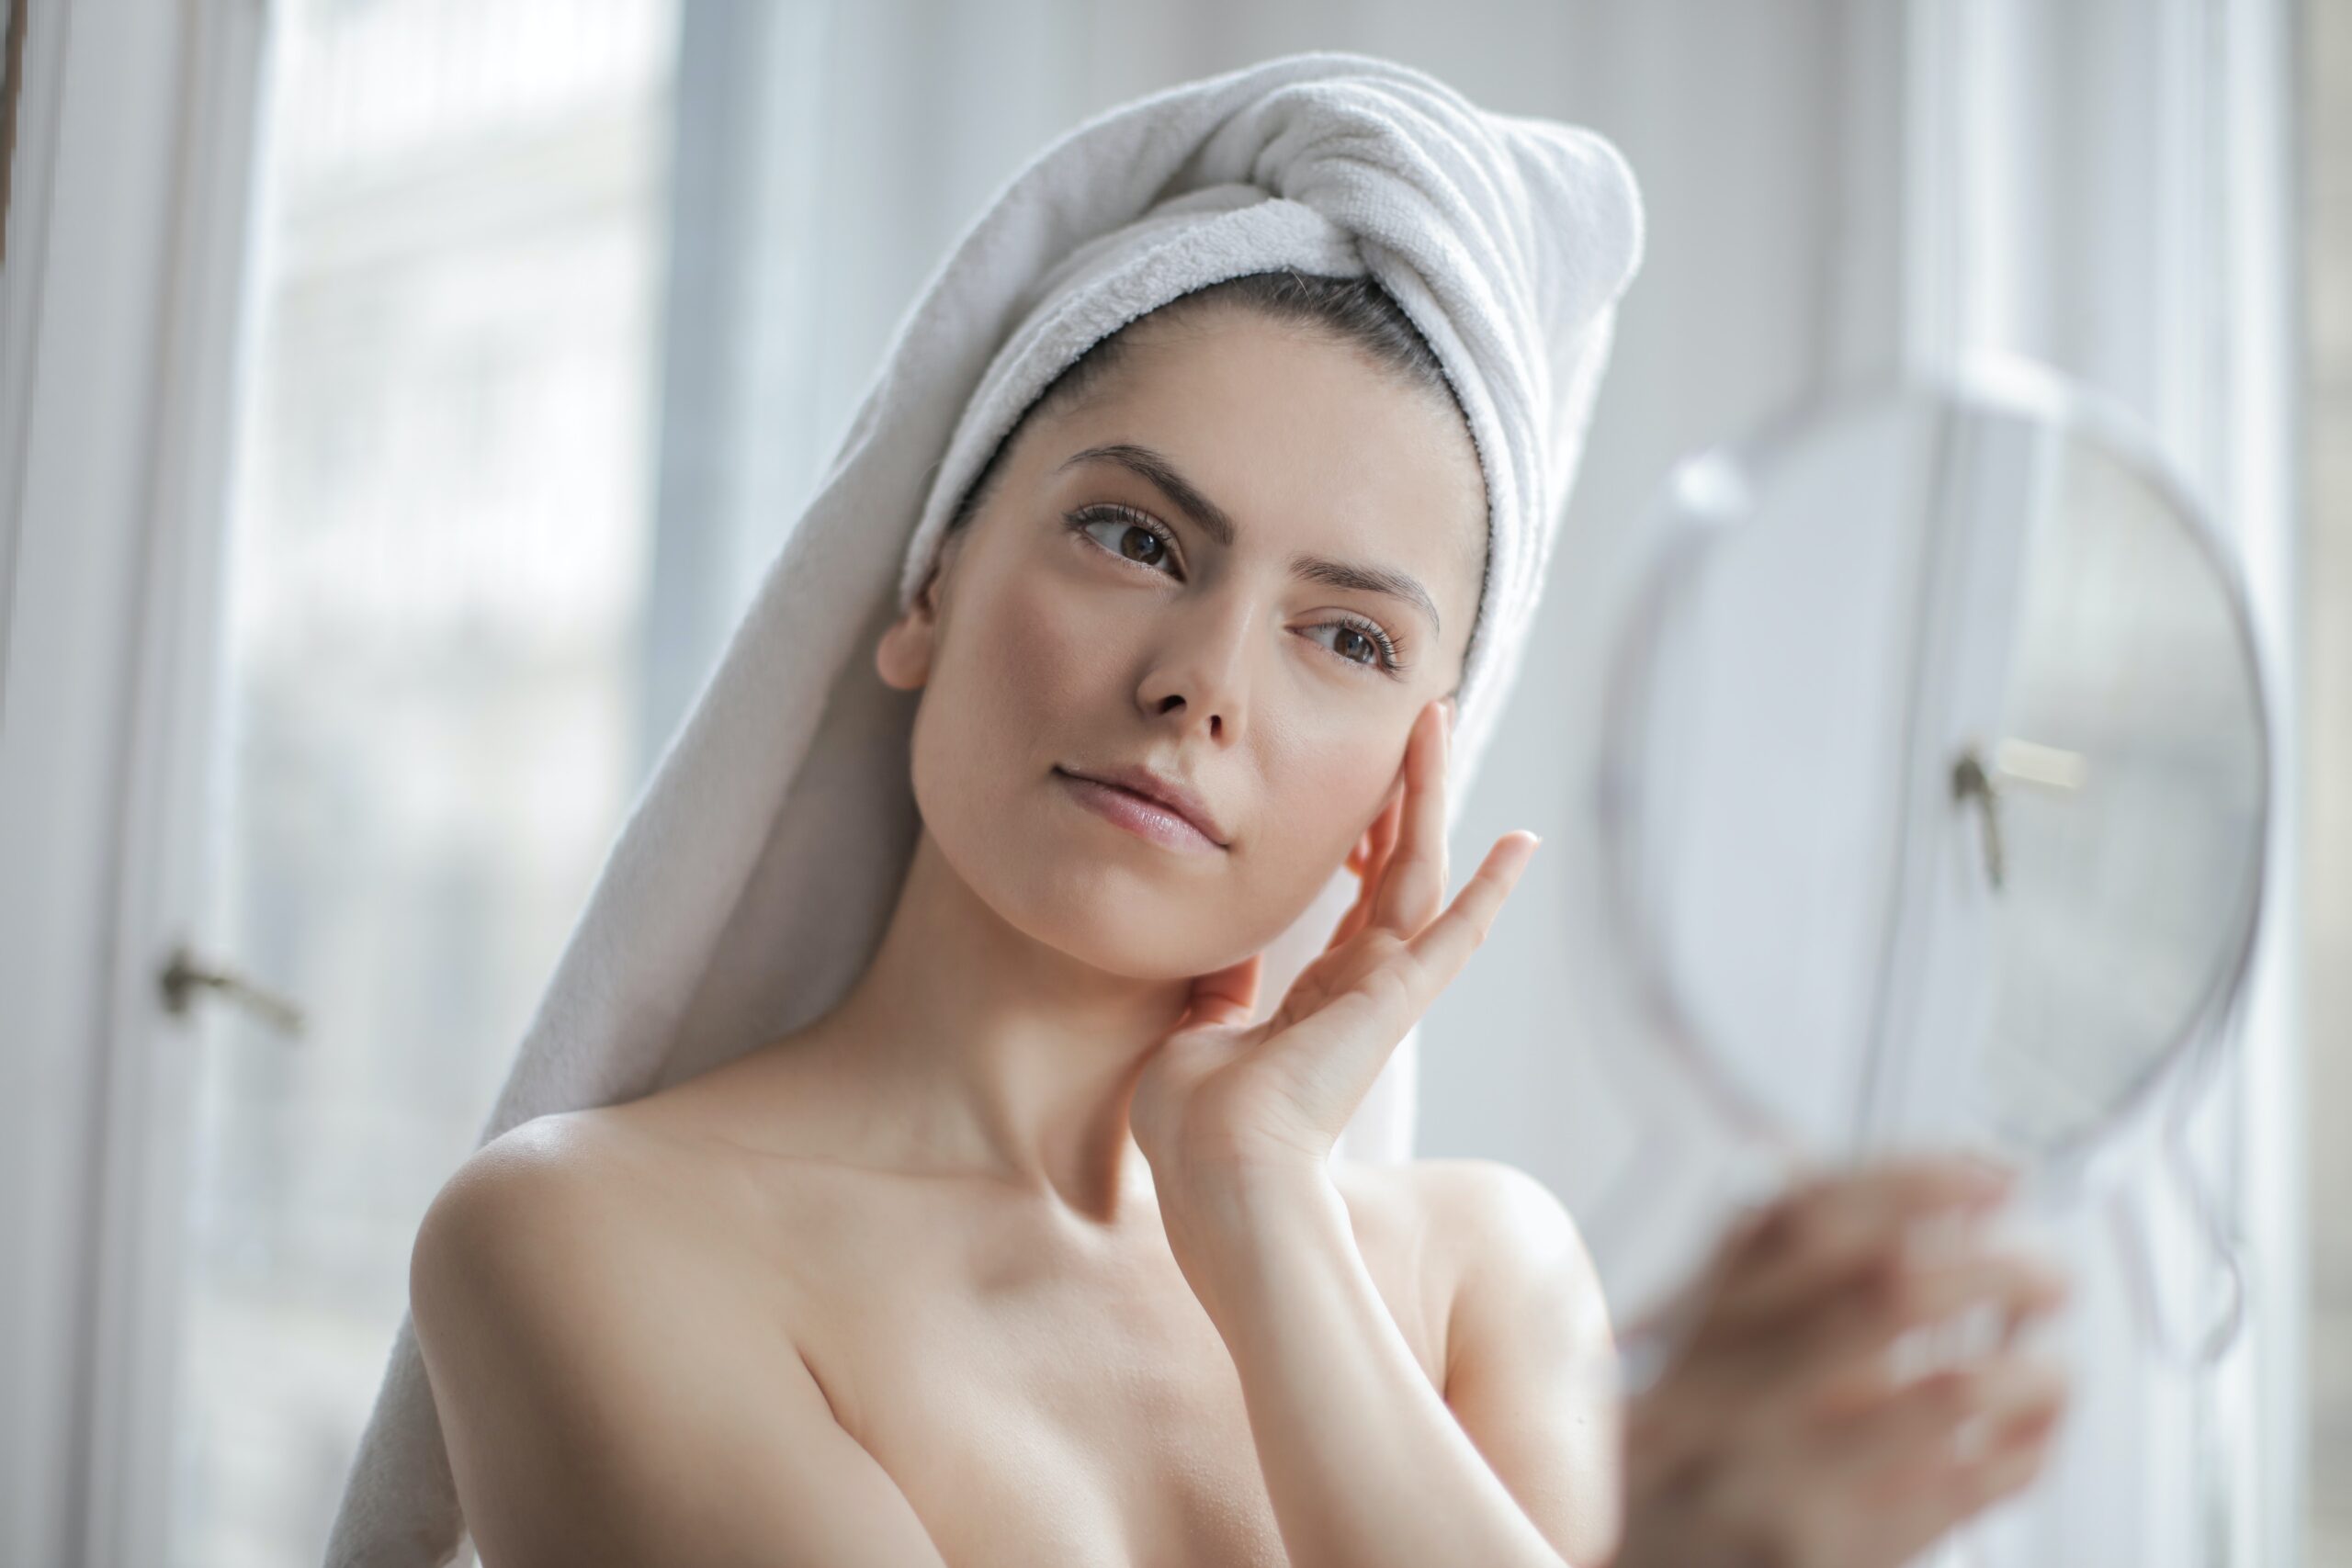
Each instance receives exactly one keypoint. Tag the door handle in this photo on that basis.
(186, 975)
(2014, 762)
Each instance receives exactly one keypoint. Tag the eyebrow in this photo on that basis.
(1214, 522)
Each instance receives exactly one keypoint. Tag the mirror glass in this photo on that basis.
(1935, 769)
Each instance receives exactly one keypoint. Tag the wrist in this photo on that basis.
(1231, 1196)
(1231, 1223)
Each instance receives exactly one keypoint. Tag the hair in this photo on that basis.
(1356, 311)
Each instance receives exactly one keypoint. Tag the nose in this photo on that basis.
(1197, 680)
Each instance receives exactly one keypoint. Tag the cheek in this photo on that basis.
(1053, 649)
(1325, 776)
(1330, 791)
(1020, 660)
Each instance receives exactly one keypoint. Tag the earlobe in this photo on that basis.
(903, 655)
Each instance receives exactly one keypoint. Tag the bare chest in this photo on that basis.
(1041, 1403)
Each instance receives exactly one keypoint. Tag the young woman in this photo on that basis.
(1029, 1251)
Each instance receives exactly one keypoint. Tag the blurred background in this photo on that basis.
(402, 397)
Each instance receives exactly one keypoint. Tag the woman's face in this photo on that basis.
(1087, 617)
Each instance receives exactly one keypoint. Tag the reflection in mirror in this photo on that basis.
(1936, 781)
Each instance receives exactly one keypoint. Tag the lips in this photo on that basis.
(1147, 804)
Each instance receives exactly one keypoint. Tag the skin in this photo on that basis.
(1030, 1250)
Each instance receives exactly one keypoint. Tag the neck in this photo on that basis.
(999, 1054)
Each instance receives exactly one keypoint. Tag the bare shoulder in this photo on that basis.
(574, 1235)
(1469, 1214)
(614, 1377)
(555, 1193)
(1529, 1353)
(1494, 1207)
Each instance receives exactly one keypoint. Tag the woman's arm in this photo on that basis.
(1366, 1465)
(1531, 1366)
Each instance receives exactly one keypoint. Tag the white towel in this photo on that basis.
(751, 884)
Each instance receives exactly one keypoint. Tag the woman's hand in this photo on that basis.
(1780, 1432)
(1222, 1097)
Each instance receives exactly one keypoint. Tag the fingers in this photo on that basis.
(1406, 879)
(1948, 1415)
(1807, 1298)
(1957, 1438)
(2011, 1458)
(1229, 996)
(1445, 944)
(1830, 1228)
(1790, 1386)
(1369, 873)
(1367, 861)
(1841, 1346)
(1414, 884)
(1929, 1456)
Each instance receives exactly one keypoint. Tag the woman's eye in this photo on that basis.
(1132, 537)
(1128, 539)
(1362, 643)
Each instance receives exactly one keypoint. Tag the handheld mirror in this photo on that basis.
(1935, 770)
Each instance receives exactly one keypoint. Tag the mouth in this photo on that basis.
(1140, 814)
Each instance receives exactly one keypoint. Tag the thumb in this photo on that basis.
(1228, 996)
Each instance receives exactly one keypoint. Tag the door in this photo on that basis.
(329, 480)
(439, 542)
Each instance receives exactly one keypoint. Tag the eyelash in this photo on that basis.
(1390, 662)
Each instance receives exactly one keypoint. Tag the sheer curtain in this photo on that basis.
(2105, 188)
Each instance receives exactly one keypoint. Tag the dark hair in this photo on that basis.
(1358, 310)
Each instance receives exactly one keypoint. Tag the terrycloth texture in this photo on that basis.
(753, 880)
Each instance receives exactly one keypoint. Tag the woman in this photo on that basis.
(898, 1172)
(1030, 1251)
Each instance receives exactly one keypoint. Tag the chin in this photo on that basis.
(1108, 912)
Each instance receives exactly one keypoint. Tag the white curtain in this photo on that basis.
(2105, 186)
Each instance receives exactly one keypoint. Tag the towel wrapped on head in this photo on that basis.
(754, 878)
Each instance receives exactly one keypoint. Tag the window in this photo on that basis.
(439, 546)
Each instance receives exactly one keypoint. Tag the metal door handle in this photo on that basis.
(187, 974)
(1971, 781)
(2014, 762)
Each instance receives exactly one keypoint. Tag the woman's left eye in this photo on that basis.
(1130, 528)
(1353, 634)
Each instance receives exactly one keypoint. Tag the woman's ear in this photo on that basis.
(903, 655)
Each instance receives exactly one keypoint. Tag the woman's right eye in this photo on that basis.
(1127, 534)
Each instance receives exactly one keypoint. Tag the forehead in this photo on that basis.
(1303, 439)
